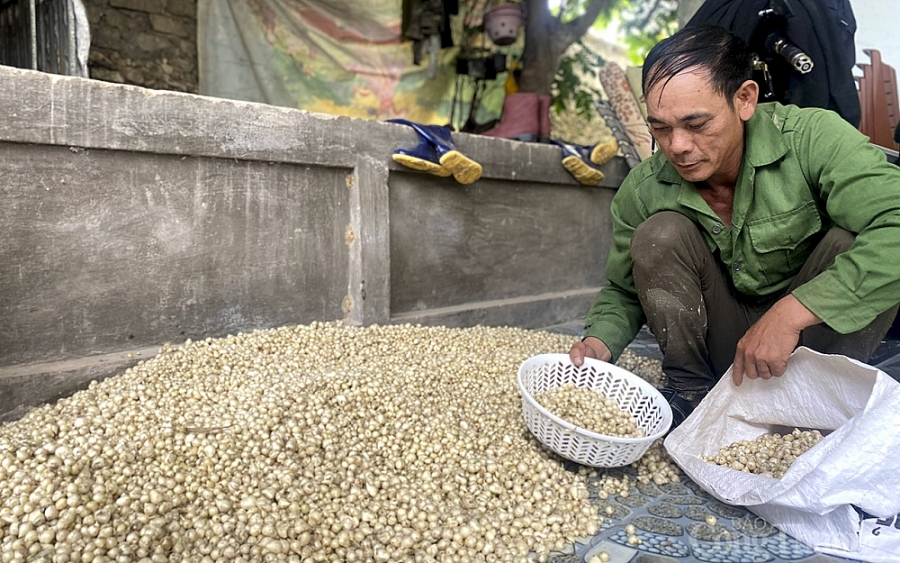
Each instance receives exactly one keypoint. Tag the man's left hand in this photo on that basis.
(765, 348)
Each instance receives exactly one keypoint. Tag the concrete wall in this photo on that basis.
(876, 22)
(133, 217)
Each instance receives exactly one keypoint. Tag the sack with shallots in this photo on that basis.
(842, 495)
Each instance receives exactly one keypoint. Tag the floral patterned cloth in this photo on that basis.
(340, 57)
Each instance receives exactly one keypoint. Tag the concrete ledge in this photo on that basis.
(49, 109)
(528, 312)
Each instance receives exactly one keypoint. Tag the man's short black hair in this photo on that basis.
(715, 49)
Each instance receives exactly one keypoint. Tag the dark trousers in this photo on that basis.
(698, 316)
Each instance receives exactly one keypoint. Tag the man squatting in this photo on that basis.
(754, 229)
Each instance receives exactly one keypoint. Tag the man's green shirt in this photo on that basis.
(803, 171)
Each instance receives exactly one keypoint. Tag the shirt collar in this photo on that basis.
(764, 144)
(764, 140)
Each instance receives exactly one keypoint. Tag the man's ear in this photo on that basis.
(745, 99)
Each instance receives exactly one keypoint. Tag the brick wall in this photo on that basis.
(150, 43)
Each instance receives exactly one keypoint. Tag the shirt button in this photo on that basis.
(717, 229)
(736, 266)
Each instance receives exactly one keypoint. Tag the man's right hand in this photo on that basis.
(590, 347)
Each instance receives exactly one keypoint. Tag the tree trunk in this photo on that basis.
(547, 38)
(544, 45)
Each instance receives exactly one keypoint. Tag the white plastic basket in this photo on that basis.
(540, 374)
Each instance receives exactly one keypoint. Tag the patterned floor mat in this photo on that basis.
(671, 519)
(671, 523)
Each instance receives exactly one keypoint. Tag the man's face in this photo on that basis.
(700, 133)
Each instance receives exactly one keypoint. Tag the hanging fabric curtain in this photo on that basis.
(341, 57)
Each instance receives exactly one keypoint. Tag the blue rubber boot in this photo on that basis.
(464, 169)
(421, 157)
(681, 407)
(577, 160)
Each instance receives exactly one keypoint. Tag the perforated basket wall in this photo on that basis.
(540, 374)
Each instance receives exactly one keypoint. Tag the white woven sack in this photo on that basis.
(857, 464)
(542, 373)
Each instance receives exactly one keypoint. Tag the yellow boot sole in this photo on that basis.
(420, 164)
(582, 171)
(464, 169)
(604, 152)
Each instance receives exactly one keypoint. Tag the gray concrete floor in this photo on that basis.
(670, 519)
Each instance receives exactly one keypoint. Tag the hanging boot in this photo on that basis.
(421, 157)
(576, 159)
(519, 119)
(464, 169)
(544, 119)
(602, 153)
